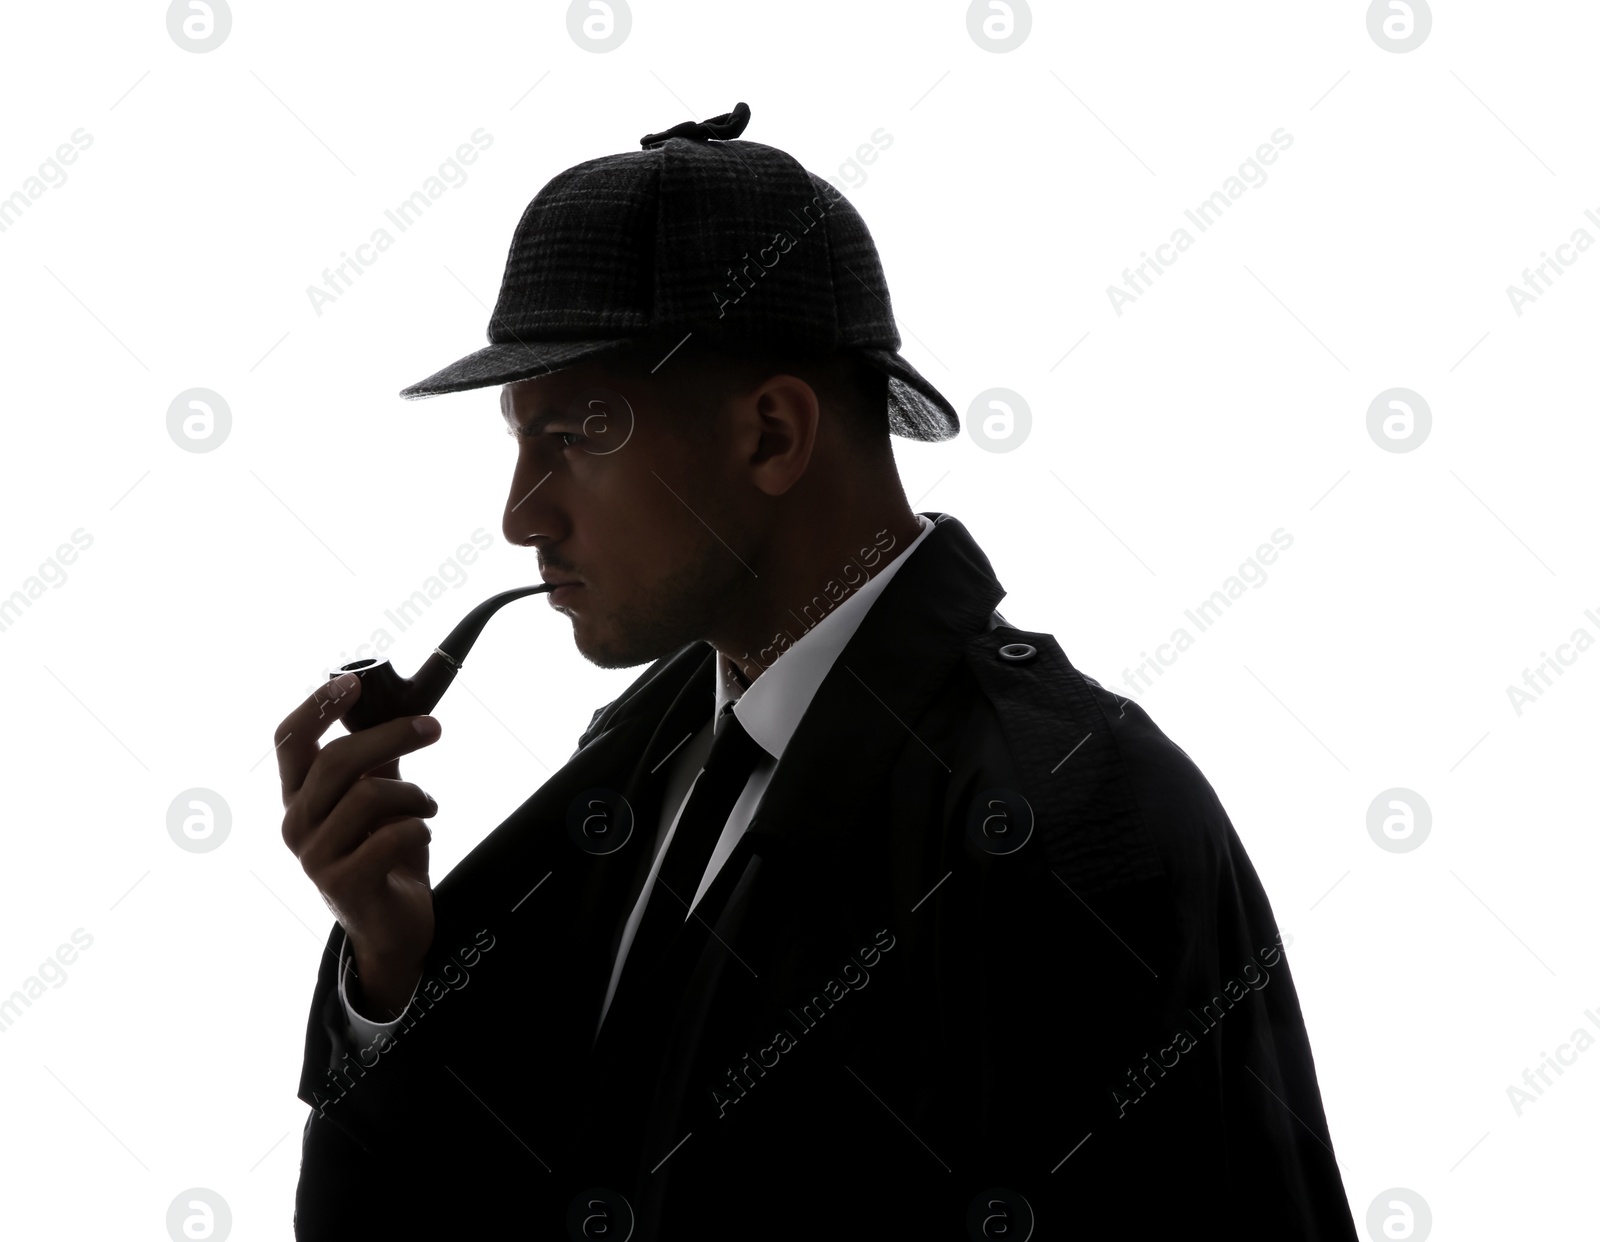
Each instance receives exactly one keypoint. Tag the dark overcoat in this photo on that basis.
(990, 961)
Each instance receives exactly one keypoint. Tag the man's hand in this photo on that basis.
(358, 832)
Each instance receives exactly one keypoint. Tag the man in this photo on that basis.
(861, 913)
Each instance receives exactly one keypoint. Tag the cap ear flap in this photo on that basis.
(917, 410)
(915, 417)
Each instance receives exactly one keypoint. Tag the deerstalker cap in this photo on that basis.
(697, 235)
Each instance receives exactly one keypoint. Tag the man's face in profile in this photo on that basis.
(617, 498)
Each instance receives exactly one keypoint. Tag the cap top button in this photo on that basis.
(728, 125)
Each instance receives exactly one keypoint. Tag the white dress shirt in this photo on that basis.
(770, 711)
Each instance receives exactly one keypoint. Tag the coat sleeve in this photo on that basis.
(344, 1190)
(403, 1136)
(348, 1185)
(507, 992)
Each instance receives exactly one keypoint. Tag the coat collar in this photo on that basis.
(771, 708)
(864, 711)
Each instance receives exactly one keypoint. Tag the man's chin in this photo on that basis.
(607, 652)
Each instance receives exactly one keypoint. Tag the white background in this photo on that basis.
(1167, 443)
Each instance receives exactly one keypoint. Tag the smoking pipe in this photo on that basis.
(386, 695)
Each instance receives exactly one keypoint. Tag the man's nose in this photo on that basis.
(531, 514)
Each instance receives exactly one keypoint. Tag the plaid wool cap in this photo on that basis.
(700, 236)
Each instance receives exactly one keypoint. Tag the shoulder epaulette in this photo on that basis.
(1085, 812)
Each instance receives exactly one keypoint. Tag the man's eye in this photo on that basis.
(567, 438)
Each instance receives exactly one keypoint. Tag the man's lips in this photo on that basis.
(565, 587)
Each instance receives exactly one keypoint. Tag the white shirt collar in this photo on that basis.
(770, 710)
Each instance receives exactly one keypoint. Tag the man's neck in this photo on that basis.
(783, 609)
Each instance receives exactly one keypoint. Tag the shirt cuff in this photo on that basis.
(363, 1031)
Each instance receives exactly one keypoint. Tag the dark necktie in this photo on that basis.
(727, 770)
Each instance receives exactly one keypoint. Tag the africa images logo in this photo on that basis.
(1142, 1078)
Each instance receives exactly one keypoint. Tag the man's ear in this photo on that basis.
(777, 423)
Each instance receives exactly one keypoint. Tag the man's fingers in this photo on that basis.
(402, 843)
(344, 761)
(296, 737)
(365, 808)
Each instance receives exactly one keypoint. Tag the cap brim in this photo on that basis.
(917, 410)
(507, 363)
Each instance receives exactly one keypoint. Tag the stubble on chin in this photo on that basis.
(678, 610)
